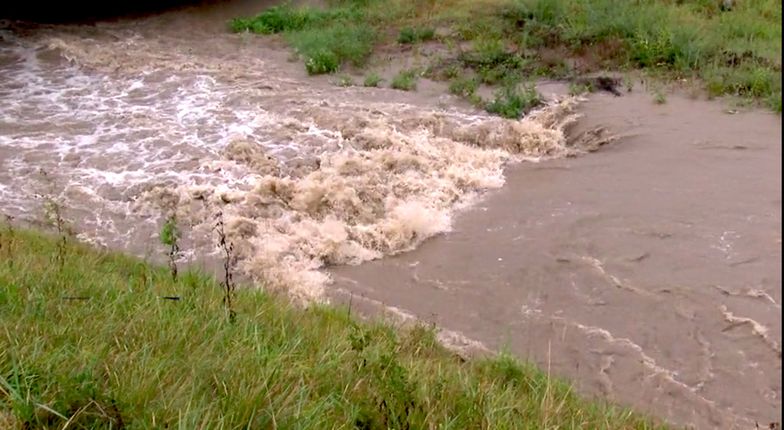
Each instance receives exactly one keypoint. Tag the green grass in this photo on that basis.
(411, 35)
(464, 86)
(735, 52)
(325, 39)
(325, 50)
(405, 80)
(372, 79)
(286, 18)
(514, 100)
(95, 345)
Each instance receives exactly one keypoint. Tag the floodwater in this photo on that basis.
(128, 122)
(648, 271)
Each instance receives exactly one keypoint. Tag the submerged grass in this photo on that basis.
(514, 100)
(372, 79)
(108, 341)
(405, 80)
(735, 51)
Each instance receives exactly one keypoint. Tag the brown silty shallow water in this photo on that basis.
(648, 272)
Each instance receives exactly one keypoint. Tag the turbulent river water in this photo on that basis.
(129, 121)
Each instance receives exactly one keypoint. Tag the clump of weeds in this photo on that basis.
(54, 217)
(170, 237)
(229, 262)
(372, 80)
(405, 80)
(411, 35)
(514, 100)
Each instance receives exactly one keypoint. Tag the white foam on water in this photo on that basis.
(303, 178)
(757, 329)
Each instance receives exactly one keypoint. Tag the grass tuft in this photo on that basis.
(372, 80)
(514, 100)
(464, 86)
(411, 35)
(324, 38)
(405, 80)
(326, 49)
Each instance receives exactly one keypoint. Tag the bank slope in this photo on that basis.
(97, 340)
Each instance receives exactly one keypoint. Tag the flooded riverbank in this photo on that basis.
(648, 272)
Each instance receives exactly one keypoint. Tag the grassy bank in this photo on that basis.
(107, 341)
(735, 52)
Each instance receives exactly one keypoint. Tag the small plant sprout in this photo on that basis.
(229, 261)
(170, 237)
(54, 218)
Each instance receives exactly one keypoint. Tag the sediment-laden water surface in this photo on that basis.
(649, 273)
(127, 122)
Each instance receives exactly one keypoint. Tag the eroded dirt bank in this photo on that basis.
(649, 272)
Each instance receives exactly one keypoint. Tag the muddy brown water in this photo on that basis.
(127, 122)
(647, 272)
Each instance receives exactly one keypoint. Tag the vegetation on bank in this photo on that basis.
(405, 80)
(107, 341)
(732, 51)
